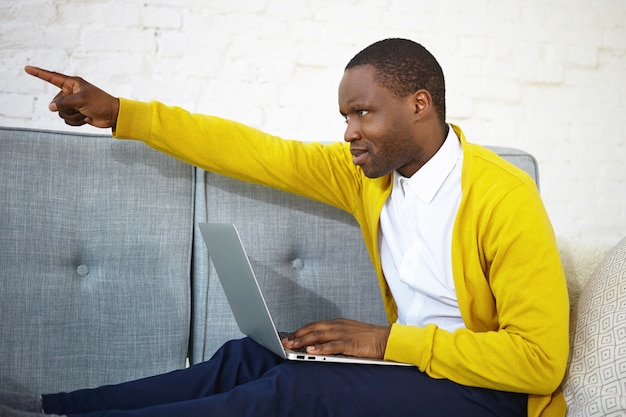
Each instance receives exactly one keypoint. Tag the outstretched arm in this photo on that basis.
(79, 102)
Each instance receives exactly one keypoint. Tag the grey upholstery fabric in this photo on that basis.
(95, 254)
(310, 258)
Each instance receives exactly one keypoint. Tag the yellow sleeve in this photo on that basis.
(322, 172)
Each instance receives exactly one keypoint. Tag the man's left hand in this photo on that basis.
(340, 336)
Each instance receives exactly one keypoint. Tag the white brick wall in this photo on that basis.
(547, 76)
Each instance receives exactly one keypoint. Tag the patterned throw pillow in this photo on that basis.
(595, 384)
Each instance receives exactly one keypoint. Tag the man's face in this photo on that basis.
(381, 126)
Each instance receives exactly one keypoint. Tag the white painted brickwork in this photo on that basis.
(547, 76)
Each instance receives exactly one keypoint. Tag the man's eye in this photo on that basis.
(359, 113)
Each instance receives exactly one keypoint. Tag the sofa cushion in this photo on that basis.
(595, 383)
(95, 248)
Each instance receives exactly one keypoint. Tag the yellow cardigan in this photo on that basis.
(508, 276)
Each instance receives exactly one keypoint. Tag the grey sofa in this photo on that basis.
(103, 276)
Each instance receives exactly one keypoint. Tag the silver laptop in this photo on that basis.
(246, 299)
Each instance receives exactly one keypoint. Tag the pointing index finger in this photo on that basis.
(53, 78)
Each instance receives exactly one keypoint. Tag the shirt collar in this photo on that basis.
(431, 176)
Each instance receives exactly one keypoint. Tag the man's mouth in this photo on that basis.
(358, 156)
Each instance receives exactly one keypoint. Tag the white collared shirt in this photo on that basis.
(416, 239)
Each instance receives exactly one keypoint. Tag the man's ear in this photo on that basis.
(422, 102)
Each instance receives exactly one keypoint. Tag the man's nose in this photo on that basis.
(352, 132)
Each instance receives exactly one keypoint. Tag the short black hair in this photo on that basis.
(404, 67)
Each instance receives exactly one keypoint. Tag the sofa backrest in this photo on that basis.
(310, 258)
(95, 253)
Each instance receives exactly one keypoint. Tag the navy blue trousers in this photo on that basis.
(245, 379)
